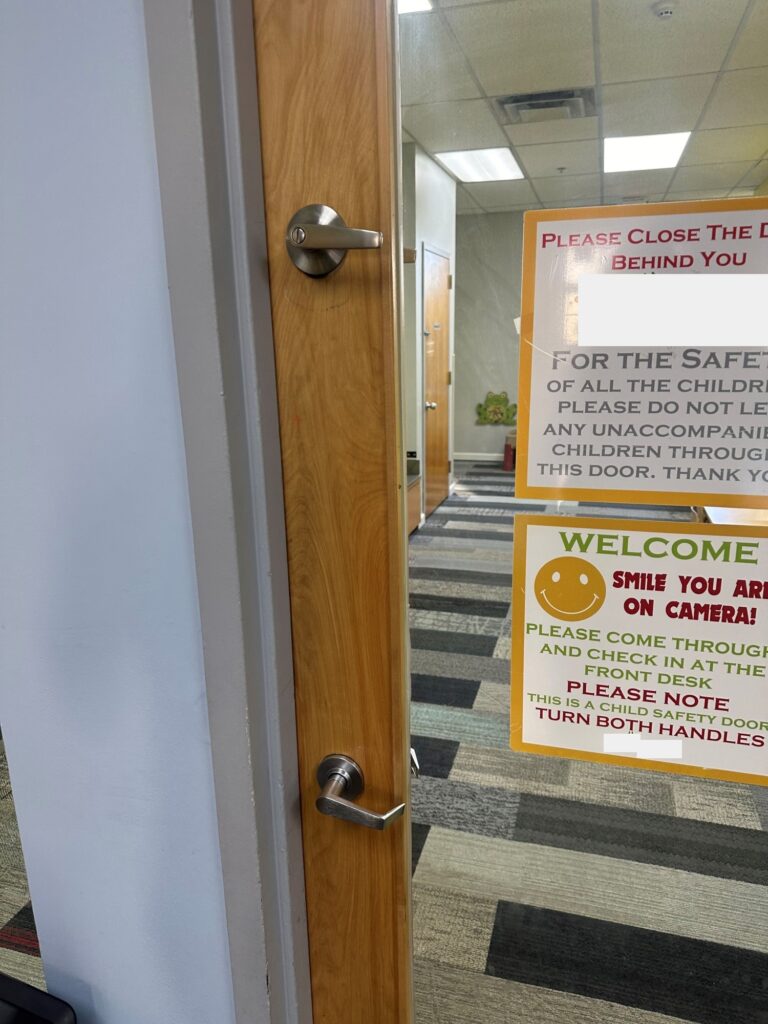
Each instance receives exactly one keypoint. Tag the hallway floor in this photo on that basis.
(546, 891)
(550, 891)
(19, 952)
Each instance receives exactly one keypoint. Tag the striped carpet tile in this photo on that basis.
(549, 891)
(19, 949)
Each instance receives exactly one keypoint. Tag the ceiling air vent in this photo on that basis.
(563, 105)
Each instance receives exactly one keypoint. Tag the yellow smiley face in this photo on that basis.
(569, 588)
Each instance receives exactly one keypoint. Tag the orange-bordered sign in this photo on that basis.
(702, 440)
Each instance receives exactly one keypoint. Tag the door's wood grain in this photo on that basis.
(325, 76)
(437, 308)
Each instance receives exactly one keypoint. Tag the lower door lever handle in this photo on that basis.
(341, 780)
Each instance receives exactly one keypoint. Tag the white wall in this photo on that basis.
(488, 279)
(430, 207)
(409, 333)
(102, 689)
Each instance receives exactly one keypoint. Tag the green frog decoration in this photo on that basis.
(497, 410)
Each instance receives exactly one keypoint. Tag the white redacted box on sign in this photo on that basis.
(642, 643)
(644, 354)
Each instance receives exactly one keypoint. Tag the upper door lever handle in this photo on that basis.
(327, 236)
(317, 239)
(341, 780)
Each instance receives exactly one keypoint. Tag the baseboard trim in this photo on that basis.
(477, 457)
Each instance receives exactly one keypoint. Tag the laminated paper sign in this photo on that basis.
(642, 644)
(651, 390)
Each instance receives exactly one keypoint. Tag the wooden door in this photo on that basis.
(437, 368)
(326, 79)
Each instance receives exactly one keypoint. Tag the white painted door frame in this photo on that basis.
(203, 84)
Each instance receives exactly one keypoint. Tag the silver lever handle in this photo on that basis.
(430, 405)
(326, 236)
(317, 239)
(341, 780)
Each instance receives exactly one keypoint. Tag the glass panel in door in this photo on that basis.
(556, 889)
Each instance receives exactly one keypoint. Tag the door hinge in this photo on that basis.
(450, 377)
(450, 281)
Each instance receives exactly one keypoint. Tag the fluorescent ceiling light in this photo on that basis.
(413, 6)
(481, 165)
(644, 152)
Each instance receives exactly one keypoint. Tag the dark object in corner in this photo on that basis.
(23, 1004)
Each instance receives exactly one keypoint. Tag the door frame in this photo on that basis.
(205, 108)
(437, 251)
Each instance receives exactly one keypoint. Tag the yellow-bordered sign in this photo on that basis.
(534, 617)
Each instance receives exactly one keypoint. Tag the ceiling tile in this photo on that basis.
(547, 161)
(568, 130)
(465, 203)
(459, 3)
(495, 194)
(636, 44)
(432, 67)
(653, 197)
(572, 186)
(461, 124)
(564, 204)
(527, 45)
(719, 144)
(513, 208)
(708, 176)
(741, 97)
(742, 193)
(628, 184)
(752, 46)
(757, 176)
(708, 193)
(658, 105)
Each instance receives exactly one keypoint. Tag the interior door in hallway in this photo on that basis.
(326, 96)
(437, 368)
